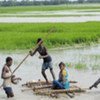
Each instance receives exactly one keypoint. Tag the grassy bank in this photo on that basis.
(24, 35)
(17, 9)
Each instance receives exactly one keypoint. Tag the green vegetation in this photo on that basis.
(45, 2)
(80, 66)
(95, 56)
(95, 67)
(29, 15)
(24, 35)
(16, 9)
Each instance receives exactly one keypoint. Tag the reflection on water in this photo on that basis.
(31, 69)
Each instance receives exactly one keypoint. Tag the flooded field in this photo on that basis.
(31, 70)
(83, 15)
(87, 12)
(48, 19)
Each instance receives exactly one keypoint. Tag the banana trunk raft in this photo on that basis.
(42, 88)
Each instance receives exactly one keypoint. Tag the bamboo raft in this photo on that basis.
(55, 93)
(33, 83)
(41, 88)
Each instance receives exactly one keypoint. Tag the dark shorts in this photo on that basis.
(47, 65)
(9, 91)
(60, 85)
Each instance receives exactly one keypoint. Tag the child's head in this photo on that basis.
(39, 41)
(9, 61)
(61, 65)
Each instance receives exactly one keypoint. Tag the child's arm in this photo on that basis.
(64, 73)
(41, 57)
(15, 80)
(5, 73)
(18, 78)
(32, 53)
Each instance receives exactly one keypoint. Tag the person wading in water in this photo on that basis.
(8, 78)
(47, 60)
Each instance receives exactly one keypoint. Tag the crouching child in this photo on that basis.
(62, 82)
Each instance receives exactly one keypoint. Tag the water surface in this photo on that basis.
(31, 69)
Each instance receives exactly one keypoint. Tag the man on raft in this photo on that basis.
(8, 78)
(47, 60)
(62, 82)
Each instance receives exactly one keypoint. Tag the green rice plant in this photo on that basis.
(96, 67)
(80, 66)
(24, 35)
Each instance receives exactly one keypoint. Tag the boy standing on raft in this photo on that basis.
(62, 82)
(47, 60)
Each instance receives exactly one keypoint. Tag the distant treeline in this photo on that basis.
(45, 2)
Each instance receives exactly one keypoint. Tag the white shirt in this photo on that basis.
(7, 82)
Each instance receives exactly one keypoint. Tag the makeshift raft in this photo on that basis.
(55, 93)
(33, 83)
(41, 88)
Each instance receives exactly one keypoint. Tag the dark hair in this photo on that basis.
(61, 63)
(38, 40)
(8, 59)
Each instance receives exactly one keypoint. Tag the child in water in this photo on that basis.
(62, 82)
(8, 78)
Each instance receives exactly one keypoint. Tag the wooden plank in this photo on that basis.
(42, 87)
(30, 84)
(55, 93)
(76, 90)
(38, 88)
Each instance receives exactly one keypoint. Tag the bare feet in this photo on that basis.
(47, 82)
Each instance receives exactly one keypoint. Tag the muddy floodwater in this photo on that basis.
(31, 70)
